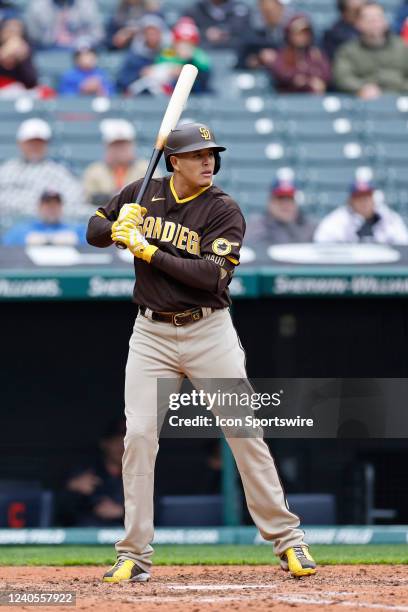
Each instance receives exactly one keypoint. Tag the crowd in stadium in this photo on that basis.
(361, 54)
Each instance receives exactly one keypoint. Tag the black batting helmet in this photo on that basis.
(191, 137)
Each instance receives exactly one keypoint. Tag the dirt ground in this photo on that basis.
(226, 588)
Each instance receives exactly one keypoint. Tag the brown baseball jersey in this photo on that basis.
(199, 240)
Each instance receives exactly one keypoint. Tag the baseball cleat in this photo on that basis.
(298, 561)
(126, 570)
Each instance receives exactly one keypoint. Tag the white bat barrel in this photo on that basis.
(177, 103)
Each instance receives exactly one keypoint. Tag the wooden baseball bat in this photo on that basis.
(171, 117)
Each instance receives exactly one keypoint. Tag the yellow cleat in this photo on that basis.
(298, 561)
(126, 570)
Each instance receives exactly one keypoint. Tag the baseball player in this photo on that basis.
(186, 243)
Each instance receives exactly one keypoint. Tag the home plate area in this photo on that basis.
(216, 588)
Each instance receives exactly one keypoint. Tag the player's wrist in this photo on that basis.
(149, 252)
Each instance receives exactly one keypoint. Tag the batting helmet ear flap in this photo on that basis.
(217, 165)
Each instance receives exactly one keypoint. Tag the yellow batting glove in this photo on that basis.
(135, 242)
(132, 213)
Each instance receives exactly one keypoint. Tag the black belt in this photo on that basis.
(176, 318)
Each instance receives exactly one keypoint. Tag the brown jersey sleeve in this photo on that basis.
(196, 273)
(224, 235)
(99, 226)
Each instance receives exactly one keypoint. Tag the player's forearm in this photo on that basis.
(198, 273)
(99, 232)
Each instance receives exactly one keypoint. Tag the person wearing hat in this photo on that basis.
(153, 36)
(185, 50)
(283, 222)
(24, 179)
(363, 219)
(185, 236)
(92, 495)
(48, 227)
(85, 78)
(102, 179)
(300, 66)
(124, 24)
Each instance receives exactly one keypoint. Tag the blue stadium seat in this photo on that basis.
(270, 155)
(80, 155)
(392, 153)
(331, 154)
(25, 504)
(7, 151)
(52, 64)
(338, 178)
(190, 510)
(387, 106)
(320, 203)
(340, 129)
(397, 177)
(22, 108)
(260, 178)
(306, 106)
(386, 130)
(77, 131)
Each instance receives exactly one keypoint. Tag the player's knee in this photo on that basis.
(141, 435)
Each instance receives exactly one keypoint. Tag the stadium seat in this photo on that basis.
(190, 511)
(25, 504)
(387, 106)
(320, 203)
(331, 153)
(252, 200)
(306, 106)
(77, 131)
(392, 153)
(340, 177)
(397, 177)
(52, 64)
(314, 508)
(81, 156)
(257, 178)
(270, 155)
(326, 129)
(7, 150)
(245, 130)
(389, 130)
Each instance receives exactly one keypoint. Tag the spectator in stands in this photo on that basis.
(375, 63)
(86, 78)
(345, 28)
(221, 22)
(401, 20)
(8, 10)
(93, 494)
(16, 63)
(125, 23)
(265, 33)
(184, 50)
(363, 219)
(121, 165)
(64, 24)
(23, 180)
(300, 66)
(143, 52)
(283, 222)
(48, 227)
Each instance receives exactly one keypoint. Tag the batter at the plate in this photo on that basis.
(186, 242)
